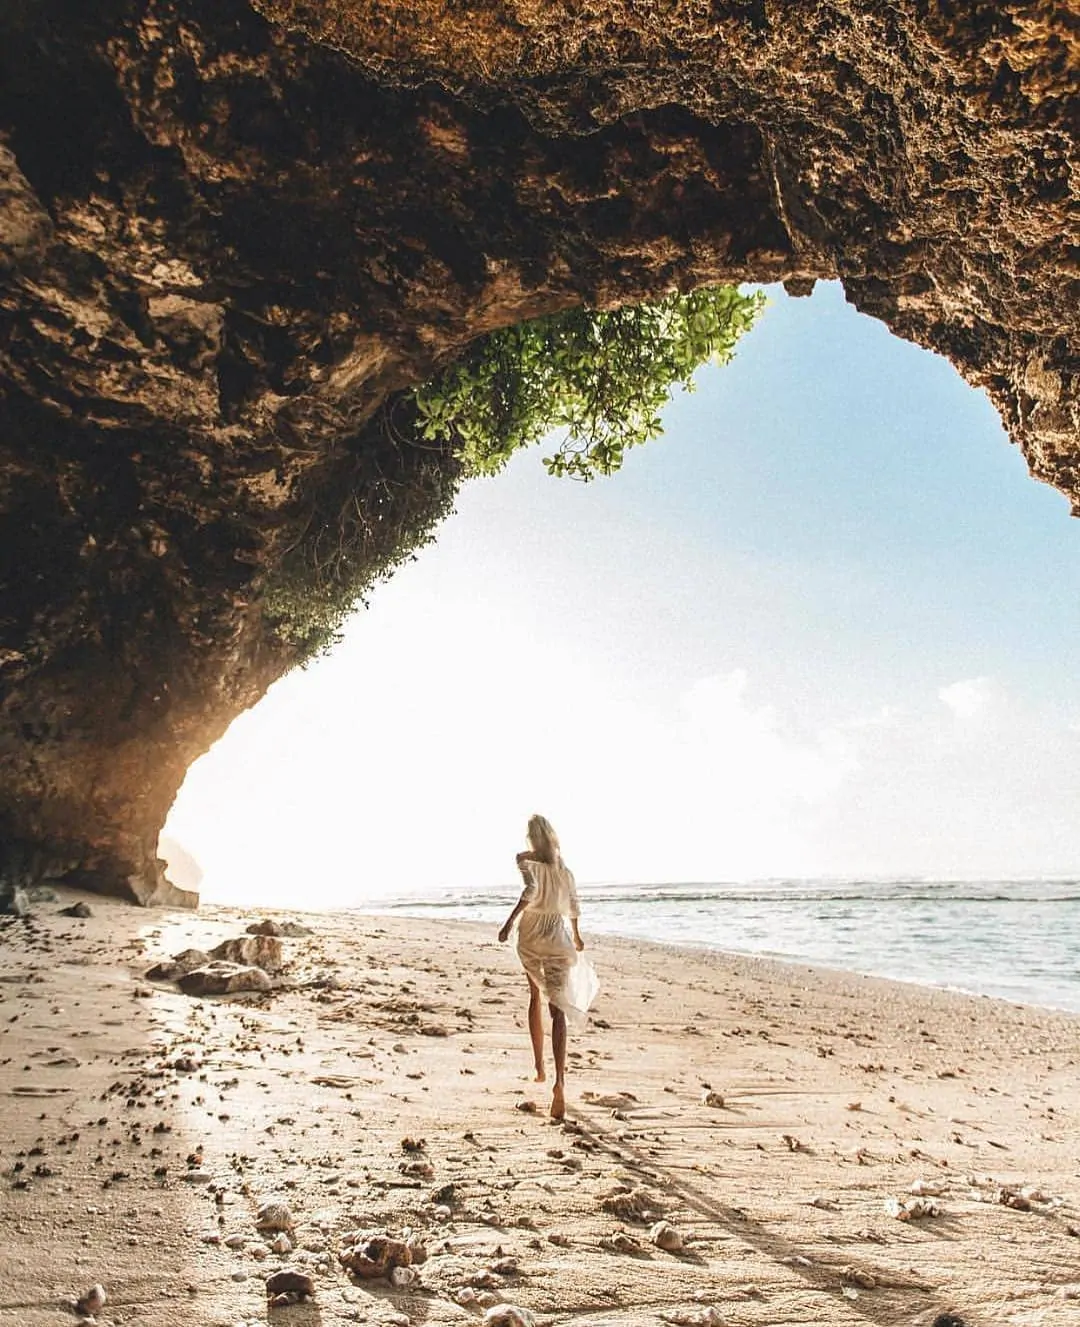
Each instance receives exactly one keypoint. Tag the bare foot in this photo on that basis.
(558, 1103)
(541, 1077)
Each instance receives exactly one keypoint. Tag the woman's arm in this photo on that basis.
(504, 934)
(575, 910)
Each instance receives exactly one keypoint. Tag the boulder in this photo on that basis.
(171, 969)
(221, 978)
(264, 928)
(260, 951)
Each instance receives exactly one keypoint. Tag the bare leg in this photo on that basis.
(536, 1031)
(558, 1047)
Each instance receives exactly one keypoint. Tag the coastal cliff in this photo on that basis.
(234, 235)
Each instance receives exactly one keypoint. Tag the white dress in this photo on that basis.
(546, 946)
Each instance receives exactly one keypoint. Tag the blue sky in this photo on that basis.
(826, 625)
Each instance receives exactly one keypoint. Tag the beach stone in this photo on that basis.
(711, 1098)
(295, 931)
(635, 1204)
(92, 1302)
(257, 951)
(282, 1244)
(707, 1316)
(371, 1256)
(172, 969)
(14, 901)
(76, 910)
(264, 928)
(274, 1215)
(223, 978)
(508, 1315)
(666, 1237)
(289, 1281)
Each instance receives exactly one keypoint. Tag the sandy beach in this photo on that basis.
(781, 1121)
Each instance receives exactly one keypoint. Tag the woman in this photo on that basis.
(549, 950)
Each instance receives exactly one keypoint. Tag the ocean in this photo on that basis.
(1015, 939)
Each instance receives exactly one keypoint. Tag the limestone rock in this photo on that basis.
(221, 978)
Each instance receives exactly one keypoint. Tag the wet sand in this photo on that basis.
(768, 1112)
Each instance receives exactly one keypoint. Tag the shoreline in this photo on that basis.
(768, 1111)
(703, 950)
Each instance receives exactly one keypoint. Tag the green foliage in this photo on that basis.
(375, 499)
(367, 509)
(600, 377)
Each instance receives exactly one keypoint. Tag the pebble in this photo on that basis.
(289, 1281)
(274, 1215)
(92, 1302)
(715, 1099)
(665, 1236)
(508, 1315)
(282, 1244)
(236, 1241)
(708, 1316)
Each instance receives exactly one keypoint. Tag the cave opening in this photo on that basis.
(821, 627)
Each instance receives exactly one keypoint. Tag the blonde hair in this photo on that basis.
(544, 840)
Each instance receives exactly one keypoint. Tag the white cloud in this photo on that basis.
(969, 698)
(887, 716)
(749, 749)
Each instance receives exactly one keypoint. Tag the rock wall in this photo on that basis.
(232, 234)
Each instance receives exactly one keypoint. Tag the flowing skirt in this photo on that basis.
(565, 977)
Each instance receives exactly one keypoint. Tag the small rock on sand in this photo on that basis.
(172, 969)
(295, 931)
(508, 1315)
(666, 1237)
(371, 1256)
(223, 979)
(92, 1302)
(289, 1282)
(274, 1215)
(264, 928)
(631, 1204)
(257, 951)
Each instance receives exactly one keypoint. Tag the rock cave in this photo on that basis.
(234, 235)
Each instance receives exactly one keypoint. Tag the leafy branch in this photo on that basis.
(600, 378)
